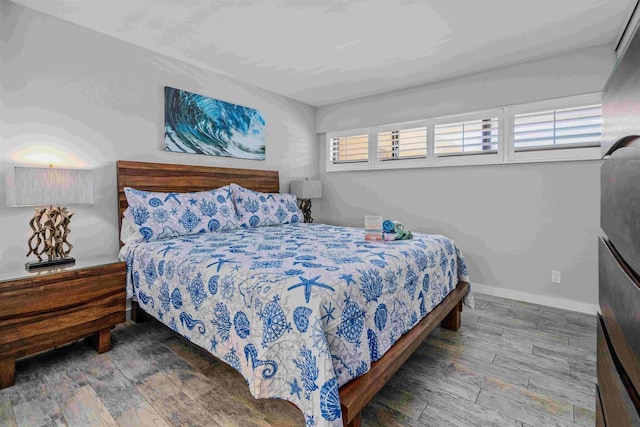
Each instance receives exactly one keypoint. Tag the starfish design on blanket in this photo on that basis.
(382, 255)
(347, 278)
(228, 191)
(221, 261)
(308, 284)
(328, 312)
(173, 196)
(166, 249)
(295, 388)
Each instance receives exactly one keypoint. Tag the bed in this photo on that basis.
(309, 313)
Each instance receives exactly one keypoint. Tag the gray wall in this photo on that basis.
(95, 100)
(515, 223)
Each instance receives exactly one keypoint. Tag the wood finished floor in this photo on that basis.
(510, 364)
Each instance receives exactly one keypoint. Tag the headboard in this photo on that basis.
(165, 177)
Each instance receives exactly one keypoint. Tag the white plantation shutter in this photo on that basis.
(349, 149)
(398, 143)
(468, 137)
(562, 128)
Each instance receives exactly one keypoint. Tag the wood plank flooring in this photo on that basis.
(510, 364)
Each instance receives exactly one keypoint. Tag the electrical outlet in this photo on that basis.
(556, 277)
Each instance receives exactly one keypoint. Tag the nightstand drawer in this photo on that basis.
(39, 311)
(30, 334)
(60, 291)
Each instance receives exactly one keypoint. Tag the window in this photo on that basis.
(563, 128)
(553, 130)
(402, 142)
(470, 137)
(350, 148)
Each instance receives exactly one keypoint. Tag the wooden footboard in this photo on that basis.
(356, 394)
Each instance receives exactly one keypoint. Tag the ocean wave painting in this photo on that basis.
(197, 124)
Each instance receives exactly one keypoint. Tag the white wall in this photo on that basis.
(572, 73)
(99, 99)
(94, 100)
(514, 223)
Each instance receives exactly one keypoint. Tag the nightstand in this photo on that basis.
(40, 310)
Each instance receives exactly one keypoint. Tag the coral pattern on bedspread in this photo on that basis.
(297, 309)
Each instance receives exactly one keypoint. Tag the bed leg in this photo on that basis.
(101, 341)
(355, 422)
(7, 372)
(454, 318)
(137, 314)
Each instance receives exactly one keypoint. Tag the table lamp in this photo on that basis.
(305, 191)
(50, 186)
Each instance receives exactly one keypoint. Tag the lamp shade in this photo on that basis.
(50, 186)
(307, 189)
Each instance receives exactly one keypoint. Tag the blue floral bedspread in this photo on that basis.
(297, 309)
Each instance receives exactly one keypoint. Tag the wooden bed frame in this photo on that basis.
(354, 395)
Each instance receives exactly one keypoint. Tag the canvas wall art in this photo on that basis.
(201, 125)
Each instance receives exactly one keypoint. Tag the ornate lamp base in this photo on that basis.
(50, 228)
(305, 207)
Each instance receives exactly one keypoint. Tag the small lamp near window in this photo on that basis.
(305, 191)
(50, 186)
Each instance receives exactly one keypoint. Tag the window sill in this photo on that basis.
(569, 155)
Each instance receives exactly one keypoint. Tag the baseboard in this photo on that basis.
(566, 304)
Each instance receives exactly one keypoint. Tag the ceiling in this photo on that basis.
(323, 52)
